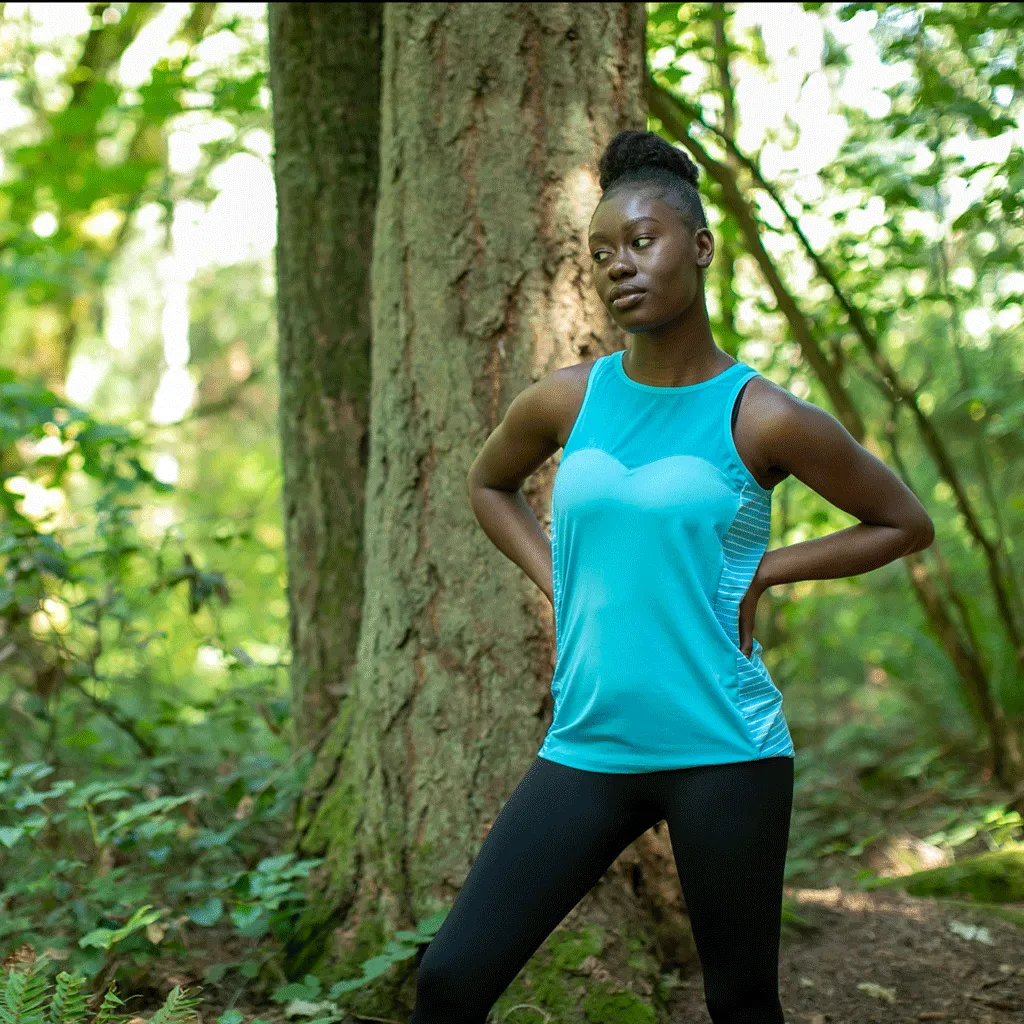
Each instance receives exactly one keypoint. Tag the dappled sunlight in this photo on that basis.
(174, 395)
(836, 898)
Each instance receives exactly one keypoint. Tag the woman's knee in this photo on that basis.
(437, 972)
(737, 1003)
(445, 987)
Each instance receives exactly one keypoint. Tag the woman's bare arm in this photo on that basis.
(529, 434)
(809, 443)
(794, 437)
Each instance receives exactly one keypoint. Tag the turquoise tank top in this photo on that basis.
(657, 529)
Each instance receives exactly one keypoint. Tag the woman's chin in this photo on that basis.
(635, 322)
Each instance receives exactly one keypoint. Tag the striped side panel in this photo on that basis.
(758, 698)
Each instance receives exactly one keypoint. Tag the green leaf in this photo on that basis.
(293, 990)
(206, 914)
(10, 836)
(105, 938)
(271, 865)
(348, 985)
(250, 921)
(100, 937)
(82, 739)
(397, 951)
(377, 966)
(430, 925)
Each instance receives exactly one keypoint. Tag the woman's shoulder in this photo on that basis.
(565, 389)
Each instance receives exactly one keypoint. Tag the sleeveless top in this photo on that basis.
(657, 529)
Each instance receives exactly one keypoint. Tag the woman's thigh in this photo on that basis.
(729, 826)
(554, 838)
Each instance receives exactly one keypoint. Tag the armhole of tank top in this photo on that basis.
(583, 404)
(730, 441)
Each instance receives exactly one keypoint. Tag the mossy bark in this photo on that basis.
(492, 120)
(325, 79)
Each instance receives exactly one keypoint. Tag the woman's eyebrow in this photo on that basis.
(628, 224)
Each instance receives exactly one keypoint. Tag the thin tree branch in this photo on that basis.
(674, 114)
(674, 117)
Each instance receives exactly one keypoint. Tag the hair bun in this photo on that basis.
(632, 151)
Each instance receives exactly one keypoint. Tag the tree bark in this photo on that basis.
(493, 117)
(325, 80)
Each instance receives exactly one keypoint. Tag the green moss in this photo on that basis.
(547, 984)
(640, 960)
(617, 1008)
(369, 940)
(569, 951)
(996, 877)
(645, 964)
(377, 998)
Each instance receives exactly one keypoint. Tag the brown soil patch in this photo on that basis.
(901, 949)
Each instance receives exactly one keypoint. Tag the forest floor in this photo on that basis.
(878, 957)
(863, 957)
(881, 957)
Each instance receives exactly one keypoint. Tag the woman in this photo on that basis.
(664, 709)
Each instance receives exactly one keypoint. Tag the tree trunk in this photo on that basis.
(325, 78)
(493, 117)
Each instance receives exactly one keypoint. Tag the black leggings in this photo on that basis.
(560, 831)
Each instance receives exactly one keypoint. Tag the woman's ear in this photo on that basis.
(704, 242)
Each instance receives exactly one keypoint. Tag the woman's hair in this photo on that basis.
(634, 157)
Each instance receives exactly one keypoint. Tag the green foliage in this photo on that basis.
(865, 785)
(996, 877)
(29, 996)
(92, 152)
(54, 899)
(141, 815)
(305, 998)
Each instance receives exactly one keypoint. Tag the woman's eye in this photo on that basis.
(599, 257)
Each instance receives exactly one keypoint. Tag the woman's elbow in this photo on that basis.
(922, 535)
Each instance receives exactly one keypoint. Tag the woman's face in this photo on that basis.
(647, 264)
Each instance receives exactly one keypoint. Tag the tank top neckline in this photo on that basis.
(679, 390)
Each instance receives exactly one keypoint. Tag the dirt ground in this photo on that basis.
(882, 957)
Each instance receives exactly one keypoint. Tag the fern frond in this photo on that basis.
(10, 996)
(179, 1008)
(24, 995)
(107, 1012)
(70, 1004)
(37, 988)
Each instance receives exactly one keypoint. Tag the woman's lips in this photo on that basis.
(628, 301)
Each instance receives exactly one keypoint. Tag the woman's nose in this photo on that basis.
(620, 266)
